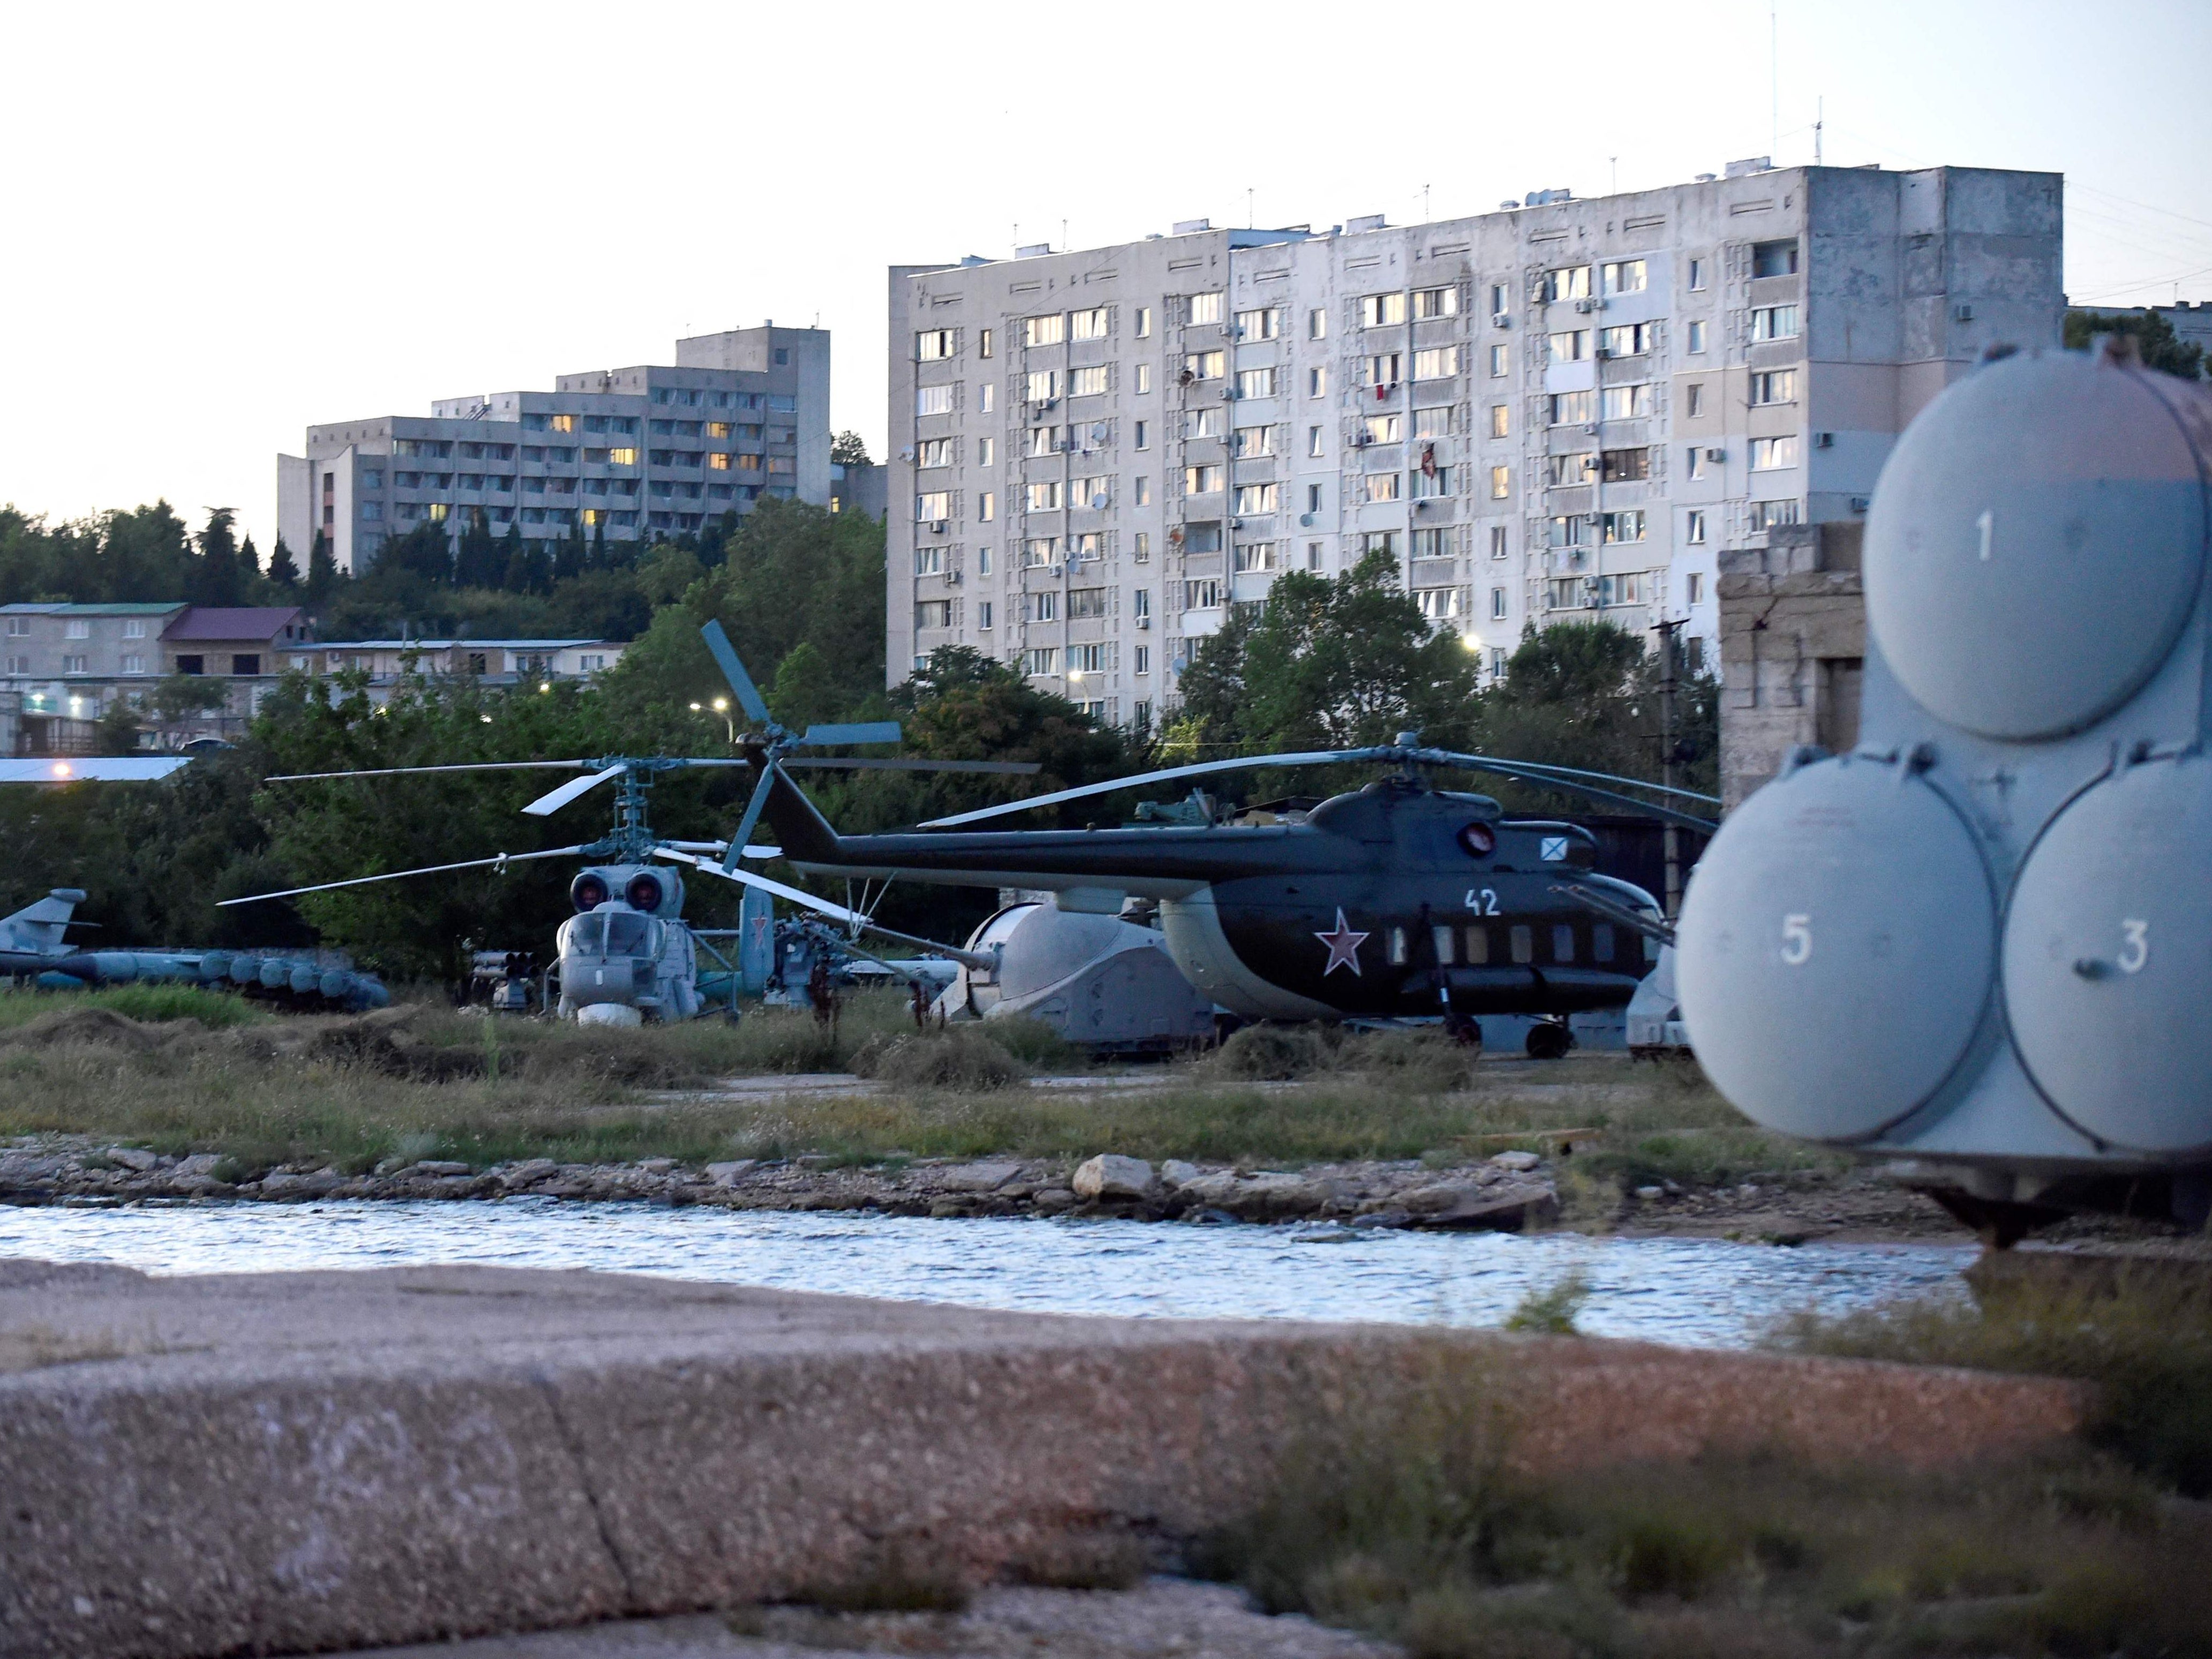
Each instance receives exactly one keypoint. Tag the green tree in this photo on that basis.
(174, 703)
(283, 569)
(219, 577)
(568, 556)
(323, 577)
(2161, 347)
(848, 449)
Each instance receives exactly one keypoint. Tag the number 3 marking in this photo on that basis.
(1797, 939)
(2136, 950)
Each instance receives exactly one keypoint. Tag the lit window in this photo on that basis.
(1774, 385)
(1435, 362)
(1771, 454)
(1087, 325)
(1203, 308)
(933, 400)
(1381, 486)
(563, 423)
(1044, 330)
(1500, 420)
(1623, 526)
(1043, 497)
(1203, 480)
(1501, 482)
(1041, 386)
(1774, 323)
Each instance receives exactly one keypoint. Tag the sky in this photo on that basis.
(227, 221)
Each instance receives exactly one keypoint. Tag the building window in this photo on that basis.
(1042, 497)
(1382, 310)
(933, 400)
(1774, 259)
(930, 452)
(1204, 594)
(1044, 330)
(189, 664)
(1087, 325)
(1040, 550)
(1500, 541)
(1202, 309)
(1140, 604)
(1255, 441)
(934, 505)
(1695, 467)
(1435, 421)
(1144, 435)
(1501, 421)
(1434, 543)
(1204, 365)
(1625, 466)
(1569, 409)
(1697, 344)
(1695, 395)
(1625, 276)
(1040, 659)
(1569, 346)
(933, 613)
(1497, 604)
(1501, 482)
(560, 423)
(985, 451)
(1203, 479)
(1144, 322)
(1572, 282)
(987, 395)
(1774, 323)
(928, 561)
(1772, 454)
(1697, 275)
(1316, 443)
(1623, 526)
(1144, 377)
(1263, 325)
(1140, 547)
(1500, 358)
(1774, 385)
(1435, 362)
(1385, 369)
(983, 615)
(1765, 515)
(1432, 481)
(931, 344)
(1380, 486)
(987, 506)
(1255, 499)
(1044, 607)
(1694, 587)
(982, 561)
(81, 664)
(983, 343)
(1140, 491)
(1381, 428)
(1313, 555)
(1317, 324)
(1435, 302)
(1693, 527)
(1041, 387)
(1438, 604)
(1255, 556)
(1141, 661)
(1256, 383)
(1384, 542)
(1565, 472)
(1312, 498)
(1086, 382)
(1628, 340)
(1316, 383)
(1089, 492)
(1628, 403)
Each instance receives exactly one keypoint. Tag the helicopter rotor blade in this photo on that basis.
(1633, 919)
(501, 860)
(466, 766)
(1602, 777)
(726, 659)
(994, 768)
(744, 832)
(852, 731)
(1589, 792)
(554, 800)
(1201, 769)
(824, 906)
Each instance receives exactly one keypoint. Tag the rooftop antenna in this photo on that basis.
(1424, 204)
(1615, 190)
(1819, 115)
(1251, 211)
(1064, 244)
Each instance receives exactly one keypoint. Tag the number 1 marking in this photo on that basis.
(1797, 939)
(2137, 951)
(1987, 524)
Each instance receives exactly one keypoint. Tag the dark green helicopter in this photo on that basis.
(1396, 899)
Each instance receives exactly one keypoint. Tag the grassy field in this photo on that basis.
(266, 1090)
(1414, 1527)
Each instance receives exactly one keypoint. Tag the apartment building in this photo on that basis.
(1564, 409)
(640, 452)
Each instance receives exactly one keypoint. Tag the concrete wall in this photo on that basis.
(1793, 643)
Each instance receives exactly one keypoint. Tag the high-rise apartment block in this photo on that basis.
(639, 452)
(1562, 410)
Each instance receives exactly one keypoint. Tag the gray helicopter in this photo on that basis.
(627, 954)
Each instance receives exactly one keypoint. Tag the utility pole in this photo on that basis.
(1669, 646)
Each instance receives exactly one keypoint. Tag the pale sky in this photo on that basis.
(227, 221)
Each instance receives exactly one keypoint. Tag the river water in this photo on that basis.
(1699, 1292)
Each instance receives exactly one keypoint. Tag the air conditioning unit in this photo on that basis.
(940, 526)
(1602, 353)
(1143, 622)
(1859, 503)
(1824, 440)
(1716, 454)
(1585, 306)
(952, 578)
(1501, 319)
(1962, 313)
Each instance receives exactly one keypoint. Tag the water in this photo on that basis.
(1697, 1292)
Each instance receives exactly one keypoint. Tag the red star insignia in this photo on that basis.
(1343, 946)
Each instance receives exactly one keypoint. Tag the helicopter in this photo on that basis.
(1398, 900)
(626, 955)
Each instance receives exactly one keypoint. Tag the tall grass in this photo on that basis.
(151, 1004)
(1414, 1523)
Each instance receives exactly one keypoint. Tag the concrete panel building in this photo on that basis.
(1566, 408)
(640, 452)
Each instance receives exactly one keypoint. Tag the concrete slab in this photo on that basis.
(314, 1461)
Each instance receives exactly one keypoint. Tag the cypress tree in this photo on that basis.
(283, 572)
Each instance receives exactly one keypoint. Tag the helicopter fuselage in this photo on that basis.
(627, 945)
(1395, 900)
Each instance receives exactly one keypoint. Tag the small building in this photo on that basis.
(497, 663)
(859, 487)
(237, 641)
(1793, 650)
(61, 665)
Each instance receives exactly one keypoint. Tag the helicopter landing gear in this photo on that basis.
(1549, 1040)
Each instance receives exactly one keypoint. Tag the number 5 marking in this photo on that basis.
(1797, 939)
(2136, 950)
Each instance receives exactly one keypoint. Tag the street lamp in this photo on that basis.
(721, 707)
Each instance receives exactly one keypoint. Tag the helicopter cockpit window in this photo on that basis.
(627, 933)
(587, 935)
